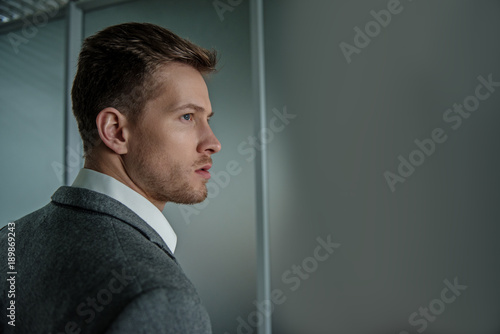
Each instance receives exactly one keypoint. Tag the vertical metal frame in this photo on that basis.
(262, 200)
(73, 160)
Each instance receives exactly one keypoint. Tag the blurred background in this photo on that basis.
(383, 134)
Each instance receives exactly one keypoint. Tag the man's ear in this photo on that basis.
(113, 130)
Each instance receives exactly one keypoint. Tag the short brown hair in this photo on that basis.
(116, 69)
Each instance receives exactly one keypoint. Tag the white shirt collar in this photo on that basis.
(107, 185)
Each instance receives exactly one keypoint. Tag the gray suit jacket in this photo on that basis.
(87, 264)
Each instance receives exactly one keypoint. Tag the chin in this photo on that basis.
(193, 197)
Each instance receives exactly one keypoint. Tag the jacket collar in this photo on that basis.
(94, 201)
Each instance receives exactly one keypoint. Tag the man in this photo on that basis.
(99, 257)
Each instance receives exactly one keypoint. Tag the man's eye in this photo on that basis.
(187, 117)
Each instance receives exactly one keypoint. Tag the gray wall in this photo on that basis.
(351, 122)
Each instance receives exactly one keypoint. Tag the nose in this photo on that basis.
(209, 142)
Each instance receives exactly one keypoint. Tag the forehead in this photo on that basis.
(180, 84)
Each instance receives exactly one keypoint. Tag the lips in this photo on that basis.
(205, 168)
(203, 171)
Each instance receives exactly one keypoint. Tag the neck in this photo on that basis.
(112, 165)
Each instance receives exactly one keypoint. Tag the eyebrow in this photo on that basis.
(192, 106)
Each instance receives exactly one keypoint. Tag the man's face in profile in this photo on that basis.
(172, 140)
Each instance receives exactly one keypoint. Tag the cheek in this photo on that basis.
(175, 146)
(168, 140)
(181, 136)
